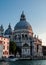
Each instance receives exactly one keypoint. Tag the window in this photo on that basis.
(22, 36)
(3, 52)
(26, 36)
(19, 37)
(4, 38)
(0, 42)
(37, 47)
(28, 51)
(4, 42)
(30, 38)
(6, 52)
(9, 36)
(3, 47)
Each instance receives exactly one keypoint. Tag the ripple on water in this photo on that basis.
(25, 62)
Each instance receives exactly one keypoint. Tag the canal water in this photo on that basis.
(25, 62)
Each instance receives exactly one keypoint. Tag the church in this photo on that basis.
(23, 35)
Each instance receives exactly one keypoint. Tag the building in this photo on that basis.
(1, 49)
(44, 50)
(4, 46)
(23, 35)
(37, 46)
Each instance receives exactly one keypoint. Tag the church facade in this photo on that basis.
(24, 37)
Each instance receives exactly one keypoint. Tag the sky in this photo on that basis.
(34, 10)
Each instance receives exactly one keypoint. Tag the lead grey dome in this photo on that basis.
(22, 24)
(8, 30)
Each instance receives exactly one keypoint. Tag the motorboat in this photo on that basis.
(10, 58)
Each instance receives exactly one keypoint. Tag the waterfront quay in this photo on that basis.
(33, 58)
(25, 58)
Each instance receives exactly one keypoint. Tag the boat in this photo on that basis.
(11, 58)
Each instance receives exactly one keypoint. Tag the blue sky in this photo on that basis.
(35, 11)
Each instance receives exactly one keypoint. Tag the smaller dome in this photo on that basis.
(8, 30)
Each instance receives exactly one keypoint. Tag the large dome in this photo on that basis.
(22, 24)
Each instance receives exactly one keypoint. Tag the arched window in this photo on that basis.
(19, 37)
(25, 45)
(9, 36)
(22, 36)
(26, 37)
(37, 47)
(3, 47)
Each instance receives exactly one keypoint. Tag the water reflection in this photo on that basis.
(25, 62)
(5, 63)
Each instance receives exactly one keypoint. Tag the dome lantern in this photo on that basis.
(22, 16)
(9, 26)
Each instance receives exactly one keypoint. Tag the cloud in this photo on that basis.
(43, 37)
